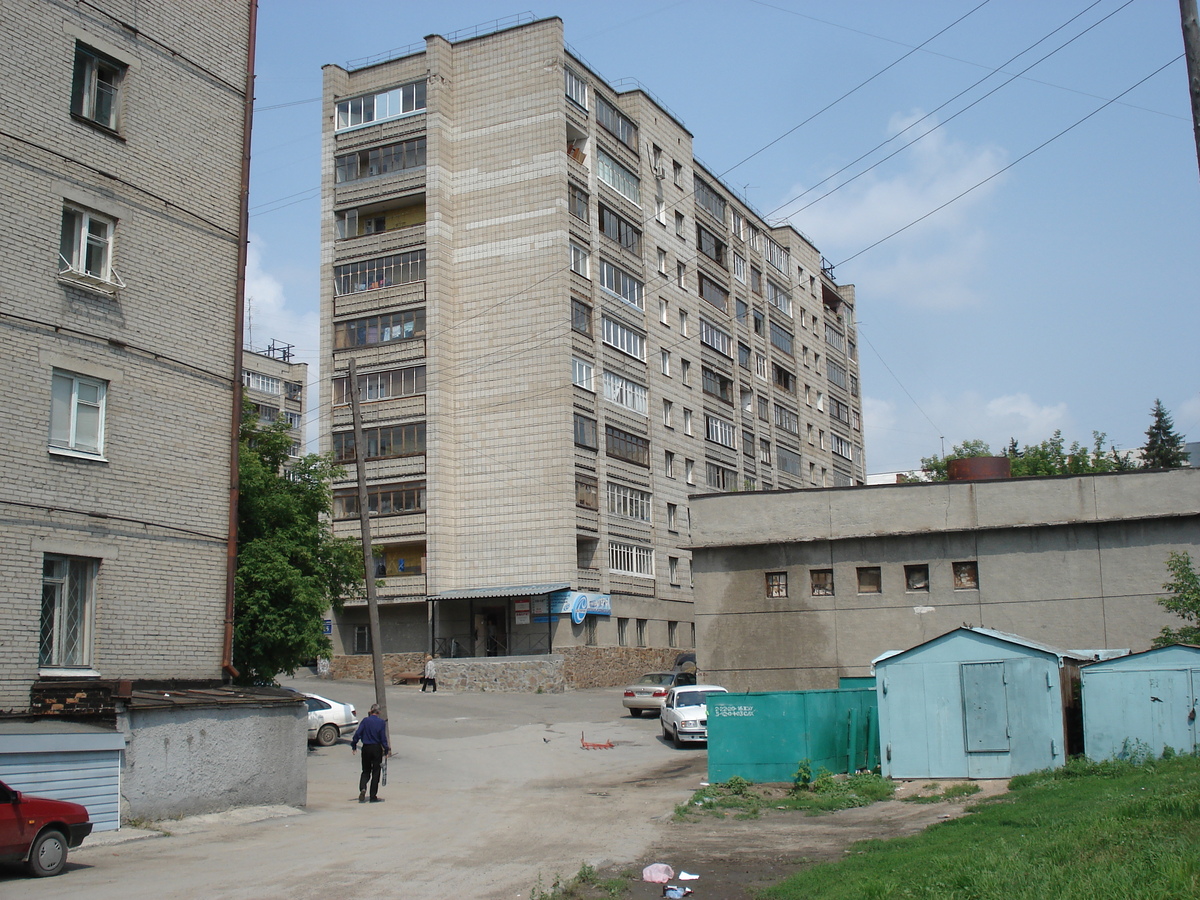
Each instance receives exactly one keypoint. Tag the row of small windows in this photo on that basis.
(379, 107)
(870, 579)
(384, 442)
(398, 326)
(379, 160)
(385, 271)
(382, 500)
(390, 384)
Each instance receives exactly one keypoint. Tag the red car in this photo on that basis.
(38, 831)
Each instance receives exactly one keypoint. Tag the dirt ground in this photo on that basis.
(736, 857)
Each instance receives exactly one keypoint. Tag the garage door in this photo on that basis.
(91, 777)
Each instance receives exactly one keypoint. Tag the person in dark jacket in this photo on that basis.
(372, 731)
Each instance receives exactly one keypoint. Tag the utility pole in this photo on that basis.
(364, 521)
(1191, 51)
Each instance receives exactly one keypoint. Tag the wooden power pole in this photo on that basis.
(1191, 51)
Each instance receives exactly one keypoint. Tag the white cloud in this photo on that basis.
(932, 264)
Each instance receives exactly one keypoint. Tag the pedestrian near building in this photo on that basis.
(430, 679)
(372, 731)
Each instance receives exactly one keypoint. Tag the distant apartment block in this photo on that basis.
(563, 326)
(275, 387)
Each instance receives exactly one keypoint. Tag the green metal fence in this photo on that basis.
(763, 737)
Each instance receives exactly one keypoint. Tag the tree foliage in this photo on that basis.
(290, 567)
(1184, 601)
(1164, 448)
(1050, 457)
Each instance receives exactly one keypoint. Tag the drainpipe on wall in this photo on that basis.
(227, 666)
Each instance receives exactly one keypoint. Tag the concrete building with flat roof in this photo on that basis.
(563, 325)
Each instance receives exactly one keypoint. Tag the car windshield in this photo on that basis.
(693, 698)
(656, 678)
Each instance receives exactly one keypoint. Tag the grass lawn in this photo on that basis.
(1089, 831)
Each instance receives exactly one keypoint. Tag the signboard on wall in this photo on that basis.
(521, 611)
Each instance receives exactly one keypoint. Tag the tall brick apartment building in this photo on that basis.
(120, 290)
(563, 326)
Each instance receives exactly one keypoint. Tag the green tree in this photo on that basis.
(290, 567)
(1164, 448)
(1184, 601)
(1050, 457)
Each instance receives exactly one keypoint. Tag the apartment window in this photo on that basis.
(387, 385)
(764, 408)
(398, 326)
(777, 584)
(714, 293)
(579, 261)
(842, 447)
(966, 576)
(632, 448)
(760, 323)
(853, 386)
(664, 309)
(581, 317)
(384, 442)
(617, 177)
(710, 245)
(836, 372)
(782, 339)
(744, 356)
(85, 247)
(709, 200)
(683, 323)
(382, 500)
(852, 349)
(384, 105)
(748, 444)
(720, 432)
(739, 225)
(669, 464)
(96, 86)
(672, 517)
(839, 410)
(68, 597)
(628, 502)
(641, 632)
(679, 224)
(622, 632)
(618, 281)
(687, 421)
(916, 577)
(821, 581)
(628, 394)
(362, 639)
(764, 451)
(583, 374)
(712, 336)
(778, 298)
(585, 432)
(784, 379)
(689, 471)
(616, 123)
(660, 210)
(589, 629)
(777, 256)
(632, 559)
(719, 478)
(835, 338)
(677, 173)
(739, 268)
(673, 627)
(620, 230)
(870, 580)
(586, 491)
(264, 384)
(624, 339)
(756, 280)
(77, 413)
(716, 385)
(267, 415)
(788, 460)
(577, 202)
(787, 420)
(381, 160)
(662, 261)
(576, 87)
(371, 274)
(681, 275)
(666, 362)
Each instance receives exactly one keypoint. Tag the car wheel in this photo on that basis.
(48, 854)
(636, 713)
(328, 735)
(666, 734)
(676, 741)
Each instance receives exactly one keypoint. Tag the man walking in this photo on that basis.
(372, 731)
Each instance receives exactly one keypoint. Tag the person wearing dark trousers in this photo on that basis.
(372, 731)
(430, 679)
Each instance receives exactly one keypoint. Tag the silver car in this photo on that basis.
(649, 692)
(685, 714)
(328, 720)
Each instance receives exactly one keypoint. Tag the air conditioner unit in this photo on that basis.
(660, 172)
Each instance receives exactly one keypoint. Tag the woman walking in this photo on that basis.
(430, 679)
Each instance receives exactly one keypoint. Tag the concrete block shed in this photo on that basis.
(975, 703)
(1144, 701)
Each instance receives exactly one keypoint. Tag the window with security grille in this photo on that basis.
(777, 584)
(628, 502)
(631, 559)
(68, 592)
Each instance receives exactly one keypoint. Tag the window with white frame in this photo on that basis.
(632, 559)
(777, 256)
(778, 297)
(666, 362)
(629, 394)
(673, 574)
(96, 87)
(616, 123)
(760, 367)
(739, 225)
(624, 339)
(739, 267)
(389, 384)
(720, 478)
(378, 107)
(668, 413)
(68, 598)
(628, 502)
(265, 384)
(689, 471)
(842, 447)
(787, 460)
(764, 451)
(683, 323)
(787, 420)
(579, 261)
(664, 309)
(385, 271)
(576, 87)
(86, 247)
(583, 374)
(672, 517)
(687, 421)
(720, 432)
(619, 282)
(619, 178)
(662, 261)
(668, 463)
(712, 336)
(77, 413)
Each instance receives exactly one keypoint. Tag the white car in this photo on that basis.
(684, 715)
(328, 720)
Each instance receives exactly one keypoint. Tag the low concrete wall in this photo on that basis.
(183, 762)
(504, 674)
(589, 667)
(359, 666)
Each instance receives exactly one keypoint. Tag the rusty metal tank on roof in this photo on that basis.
(979, 468)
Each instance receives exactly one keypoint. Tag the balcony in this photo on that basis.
(395, 589)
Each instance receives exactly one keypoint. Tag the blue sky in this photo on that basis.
(1060, 293)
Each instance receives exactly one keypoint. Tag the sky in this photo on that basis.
(1012, 186)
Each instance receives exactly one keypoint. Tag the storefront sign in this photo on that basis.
(521, 611)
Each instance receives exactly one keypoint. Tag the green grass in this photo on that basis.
(1089, 831)
(741, 800)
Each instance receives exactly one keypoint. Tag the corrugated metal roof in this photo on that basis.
(515, 590)
(997, 635)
